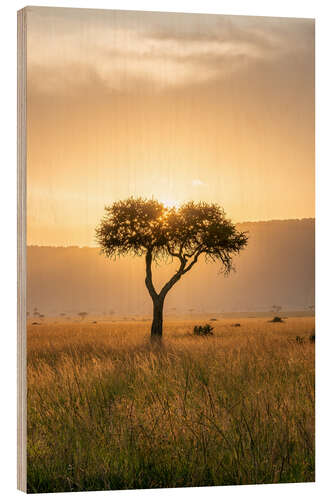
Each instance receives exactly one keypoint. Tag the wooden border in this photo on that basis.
(21, 252)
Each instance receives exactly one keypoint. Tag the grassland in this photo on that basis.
(106, 410)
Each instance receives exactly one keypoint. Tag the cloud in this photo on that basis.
(68, 49)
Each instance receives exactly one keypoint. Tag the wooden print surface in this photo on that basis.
(168, 311)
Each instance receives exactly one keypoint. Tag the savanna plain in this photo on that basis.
(109, 410)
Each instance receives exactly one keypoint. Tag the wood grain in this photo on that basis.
(21, 254)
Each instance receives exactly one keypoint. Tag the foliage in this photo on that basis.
(277, 319)
(139, 226)
(203, 329)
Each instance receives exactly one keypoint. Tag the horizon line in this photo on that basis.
(236, 223)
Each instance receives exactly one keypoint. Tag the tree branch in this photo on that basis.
(176, 277)
(173, 254)
(194, 261)
(197, 249)
(182, 270)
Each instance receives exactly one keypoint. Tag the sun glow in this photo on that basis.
(170, 203)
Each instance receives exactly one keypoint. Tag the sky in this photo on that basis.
(172, 106)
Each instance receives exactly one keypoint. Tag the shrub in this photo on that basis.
(203, 329)
(236, 324)
(299, 339)
(277, 319)
(312, 337)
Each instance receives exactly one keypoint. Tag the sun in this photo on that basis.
(170, 203)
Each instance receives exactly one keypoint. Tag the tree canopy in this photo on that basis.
(137, 226)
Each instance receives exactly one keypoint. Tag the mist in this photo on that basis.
(277, 268)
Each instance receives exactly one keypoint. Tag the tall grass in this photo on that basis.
(108, 411)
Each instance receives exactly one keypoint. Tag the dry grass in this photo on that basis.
(108, 411)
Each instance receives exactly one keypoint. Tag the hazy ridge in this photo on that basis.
(276, 268)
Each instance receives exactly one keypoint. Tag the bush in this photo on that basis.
(203, 330)
(236, 324)
(312, 337)
(277, 319)
(299, 339)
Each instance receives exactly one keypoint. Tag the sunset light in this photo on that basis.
(160, 118)
(170, 203)
(166, 252)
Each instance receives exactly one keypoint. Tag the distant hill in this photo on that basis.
(277, 267)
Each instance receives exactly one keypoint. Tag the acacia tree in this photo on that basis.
(141, 227)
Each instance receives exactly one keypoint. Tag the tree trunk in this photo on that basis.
(158, 299)
(157, 324)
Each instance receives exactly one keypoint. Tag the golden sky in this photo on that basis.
(175, 106)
